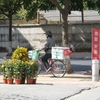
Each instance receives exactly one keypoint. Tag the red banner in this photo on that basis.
(96, 44)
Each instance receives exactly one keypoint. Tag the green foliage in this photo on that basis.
(93, 4)
(77, 5)
(7, 69)
(85, 4)
(9, 7)
(21, 14)
(35, 5)
(2, 17)
(31, 69)
(28, 8)
(18, 68)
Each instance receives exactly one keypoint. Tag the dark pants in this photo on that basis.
(45, 58)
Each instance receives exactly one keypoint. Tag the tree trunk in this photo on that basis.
(10, 36)
(9, 48)
(64, 11)
(82, 12)
(65, 39)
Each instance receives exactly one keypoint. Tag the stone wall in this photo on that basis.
(80, 35)
(31, 36)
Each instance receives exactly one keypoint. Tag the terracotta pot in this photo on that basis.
(34, 81)
(29, 80)
(18, 81)
(5, 80)
(10, 81)
(23, 78)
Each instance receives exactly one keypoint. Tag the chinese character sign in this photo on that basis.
(96, 44)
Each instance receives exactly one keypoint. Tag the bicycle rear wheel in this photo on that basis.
(58, 68)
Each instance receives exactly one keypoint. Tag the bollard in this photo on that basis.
(95, 70)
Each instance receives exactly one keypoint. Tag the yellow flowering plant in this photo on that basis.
(18, 68)
(2, 67)
(31, 69)
(20, 53)
(7, 68)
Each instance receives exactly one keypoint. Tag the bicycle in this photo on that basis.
(58, 67)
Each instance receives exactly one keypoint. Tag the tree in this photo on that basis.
(64, 9)
(79, 5)
(64, 6)
(82, 5)
(94, 5)
(8, 8)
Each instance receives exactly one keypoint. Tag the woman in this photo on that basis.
(49, 43)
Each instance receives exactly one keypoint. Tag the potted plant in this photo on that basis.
(18, 68)
(21, 53)
(4, 74)
(31, 72)
(7, 67)
(35, 70)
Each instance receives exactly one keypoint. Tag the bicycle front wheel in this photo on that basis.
(58, 68)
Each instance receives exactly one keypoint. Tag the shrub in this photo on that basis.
(20, 53)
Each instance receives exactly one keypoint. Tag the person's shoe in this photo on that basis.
(49, 69)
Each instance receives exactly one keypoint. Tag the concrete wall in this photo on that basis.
(80, 35)
(31, 36)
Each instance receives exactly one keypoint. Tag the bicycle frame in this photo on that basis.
(50, 61)
(57, 67)
(40, 62)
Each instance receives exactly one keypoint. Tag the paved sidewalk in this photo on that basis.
(76, 78)
(76, 86)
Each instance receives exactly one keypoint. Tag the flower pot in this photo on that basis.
(18, 81)
(9, 81)
(23, 79)
(5, 80)
(34, 81)
(29, 80)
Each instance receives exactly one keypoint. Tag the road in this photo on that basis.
(81, 65)
(77, 64)
(79, 61)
